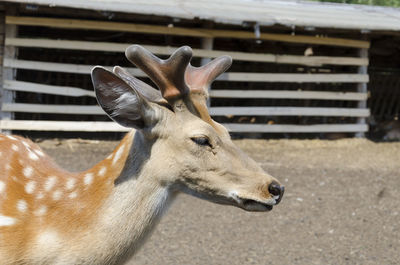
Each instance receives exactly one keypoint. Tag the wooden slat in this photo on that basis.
(215, 111)
(289, 111)
(47, 89)
(240, 77)
(114, 127)
(166, 50)
(194, 32)
(80, 126)
(55, 109)
(60, 67)
(286, 128)
(295, 78)
(320, 95)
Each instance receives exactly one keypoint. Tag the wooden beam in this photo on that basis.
(289, 111)
(60, 67)
(294, 78)
(214, 111)
(114, 127)
(80, 126)
(179, 31)
(46, 89)
(320, 95)
(288, 128)
(54, 109)
(237, 77)
(167, 50)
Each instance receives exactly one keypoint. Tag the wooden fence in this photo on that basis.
(12, 63)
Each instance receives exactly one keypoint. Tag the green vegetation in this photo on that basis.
(392, 3)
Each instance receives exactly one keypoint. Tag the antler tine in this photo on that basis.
(168, 74)
(200, 78)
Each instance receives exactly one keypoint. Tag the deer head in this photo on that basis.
(190, 152)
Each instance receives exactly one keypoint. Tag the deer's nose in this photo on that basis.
(276, 191)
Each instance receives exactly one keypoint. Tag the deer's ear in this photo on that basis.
(120, 101)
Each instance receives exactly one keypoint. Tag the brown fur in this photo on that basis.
(63, 215)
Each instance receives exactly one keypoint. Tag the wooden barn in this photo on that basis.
(300, 68)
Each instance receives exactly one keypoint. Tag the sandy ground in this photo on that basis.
(341, 206)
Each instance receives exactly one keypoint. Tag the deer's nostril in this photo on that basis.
(276, 190)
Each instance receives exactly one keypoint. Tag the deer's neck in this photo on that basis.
(133, 206)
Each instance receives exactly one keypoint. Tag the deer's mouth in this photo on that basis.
(256, 206)
(253, 205)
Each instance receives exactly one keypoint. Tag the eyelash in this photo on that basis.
(203, 141)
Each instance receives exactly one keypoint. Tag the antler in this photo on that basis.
(200, 78)
(168, 75)
(175, 77)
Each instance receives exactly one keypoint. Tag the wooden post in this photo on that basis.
(8, 73)
(362, 88)
(207, 44)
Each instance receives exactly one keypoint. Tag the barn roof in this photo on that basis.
(266, 12)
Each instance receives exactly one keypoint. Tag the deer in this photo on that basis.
(102, 215)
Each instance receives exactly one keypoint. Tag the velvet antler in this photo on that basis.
(199, 79)
(168, 75)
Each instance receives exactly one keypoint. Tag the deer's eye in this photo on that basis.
(201, 140)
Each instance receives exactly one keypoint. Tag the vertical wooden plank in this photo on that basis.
(362, 87)
(207, 44)
(8, 74)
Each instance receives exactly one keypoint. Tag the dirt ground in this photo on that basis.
(341, 206)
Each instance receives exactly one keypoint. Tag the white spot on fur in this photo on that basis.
(88, 179)
(8, 167)
(73, 195)
(32, 155)
(2, 186)
(12, 137)
(7, 221)
(39, 152)
(22, 206)
(48, 240)
(14, 147)
(25, 144)
(110, 156)
(70, 183)
(50, 182)
(110, 182)
(42, 210)
(102, 171)
(118, 154)
(40, 195)
(57, 195)
(27, 171)
(30, 187)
